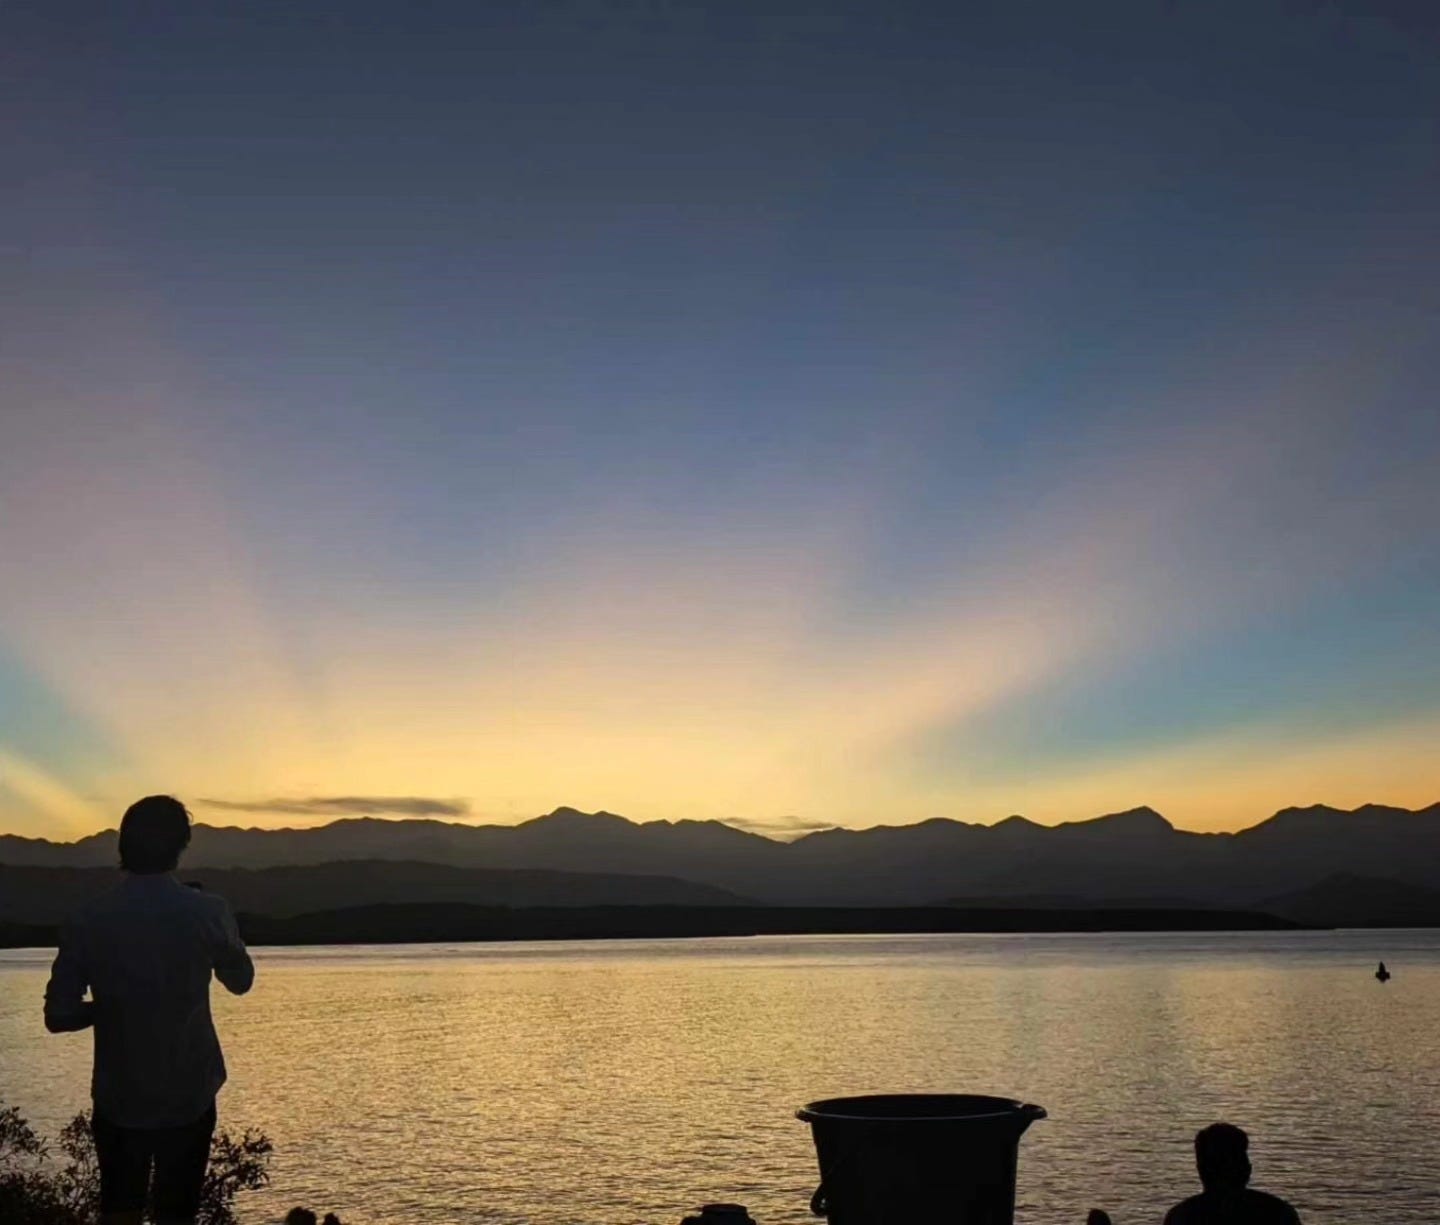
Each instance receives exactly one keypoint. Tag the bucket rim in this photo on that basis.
(825, 1109)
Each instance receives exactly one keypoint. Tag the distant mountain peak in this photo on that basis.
(573, 816)
(1300, 821)
(1360, 810)
(1305, 810)
(1016, 821)
(1133, 820)
(1144, 814)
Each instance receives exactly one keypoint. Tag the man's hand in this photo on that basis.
(76, 1017)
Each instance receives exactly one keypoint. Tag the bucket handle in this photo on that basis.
(818, 1206)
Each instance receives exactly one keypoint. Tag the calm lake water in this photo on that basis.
(627, 1081)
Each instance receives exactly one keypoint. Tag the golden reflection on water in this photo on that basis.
(629, 1081)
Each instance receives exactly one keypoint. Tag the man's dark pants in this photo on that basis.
(176, 1155)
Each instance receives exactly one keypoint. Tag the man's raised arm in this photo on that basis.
(233, 966)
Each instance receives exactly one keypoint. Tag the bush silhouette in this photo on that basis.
(36, 1190)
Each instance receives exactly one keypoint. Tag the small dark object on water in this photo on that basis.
(720, 1214)
(1382, 973)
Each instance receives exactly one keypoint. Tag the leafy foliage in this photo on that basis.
(36, 1190)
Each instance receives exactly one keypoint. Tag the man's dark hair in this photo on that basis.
(1222, 1156)
(153, 832)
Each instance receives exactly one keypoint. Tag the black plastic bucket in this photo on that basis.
(917, 1158)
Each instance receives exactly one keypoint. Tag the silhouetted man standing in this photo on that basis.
(1222, 1157)
(146, 950)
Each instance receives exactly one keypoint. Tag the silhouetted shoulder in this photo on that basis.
(1184, 1213)
(1248, 1208)
(210, 904)
(213, 913)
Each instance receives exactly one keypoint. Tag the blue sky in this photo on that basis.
(848, 412)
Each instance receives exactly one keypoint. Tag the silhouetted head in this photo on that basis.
(153, 832)
(1222, 1155)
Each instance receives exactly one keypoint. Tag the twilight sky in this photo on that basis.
(785, 413)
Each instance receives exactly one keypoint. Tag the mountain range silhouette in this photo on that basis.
(1304, 859)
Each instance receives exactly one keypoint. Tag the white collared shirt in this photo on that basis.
(146, 950)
